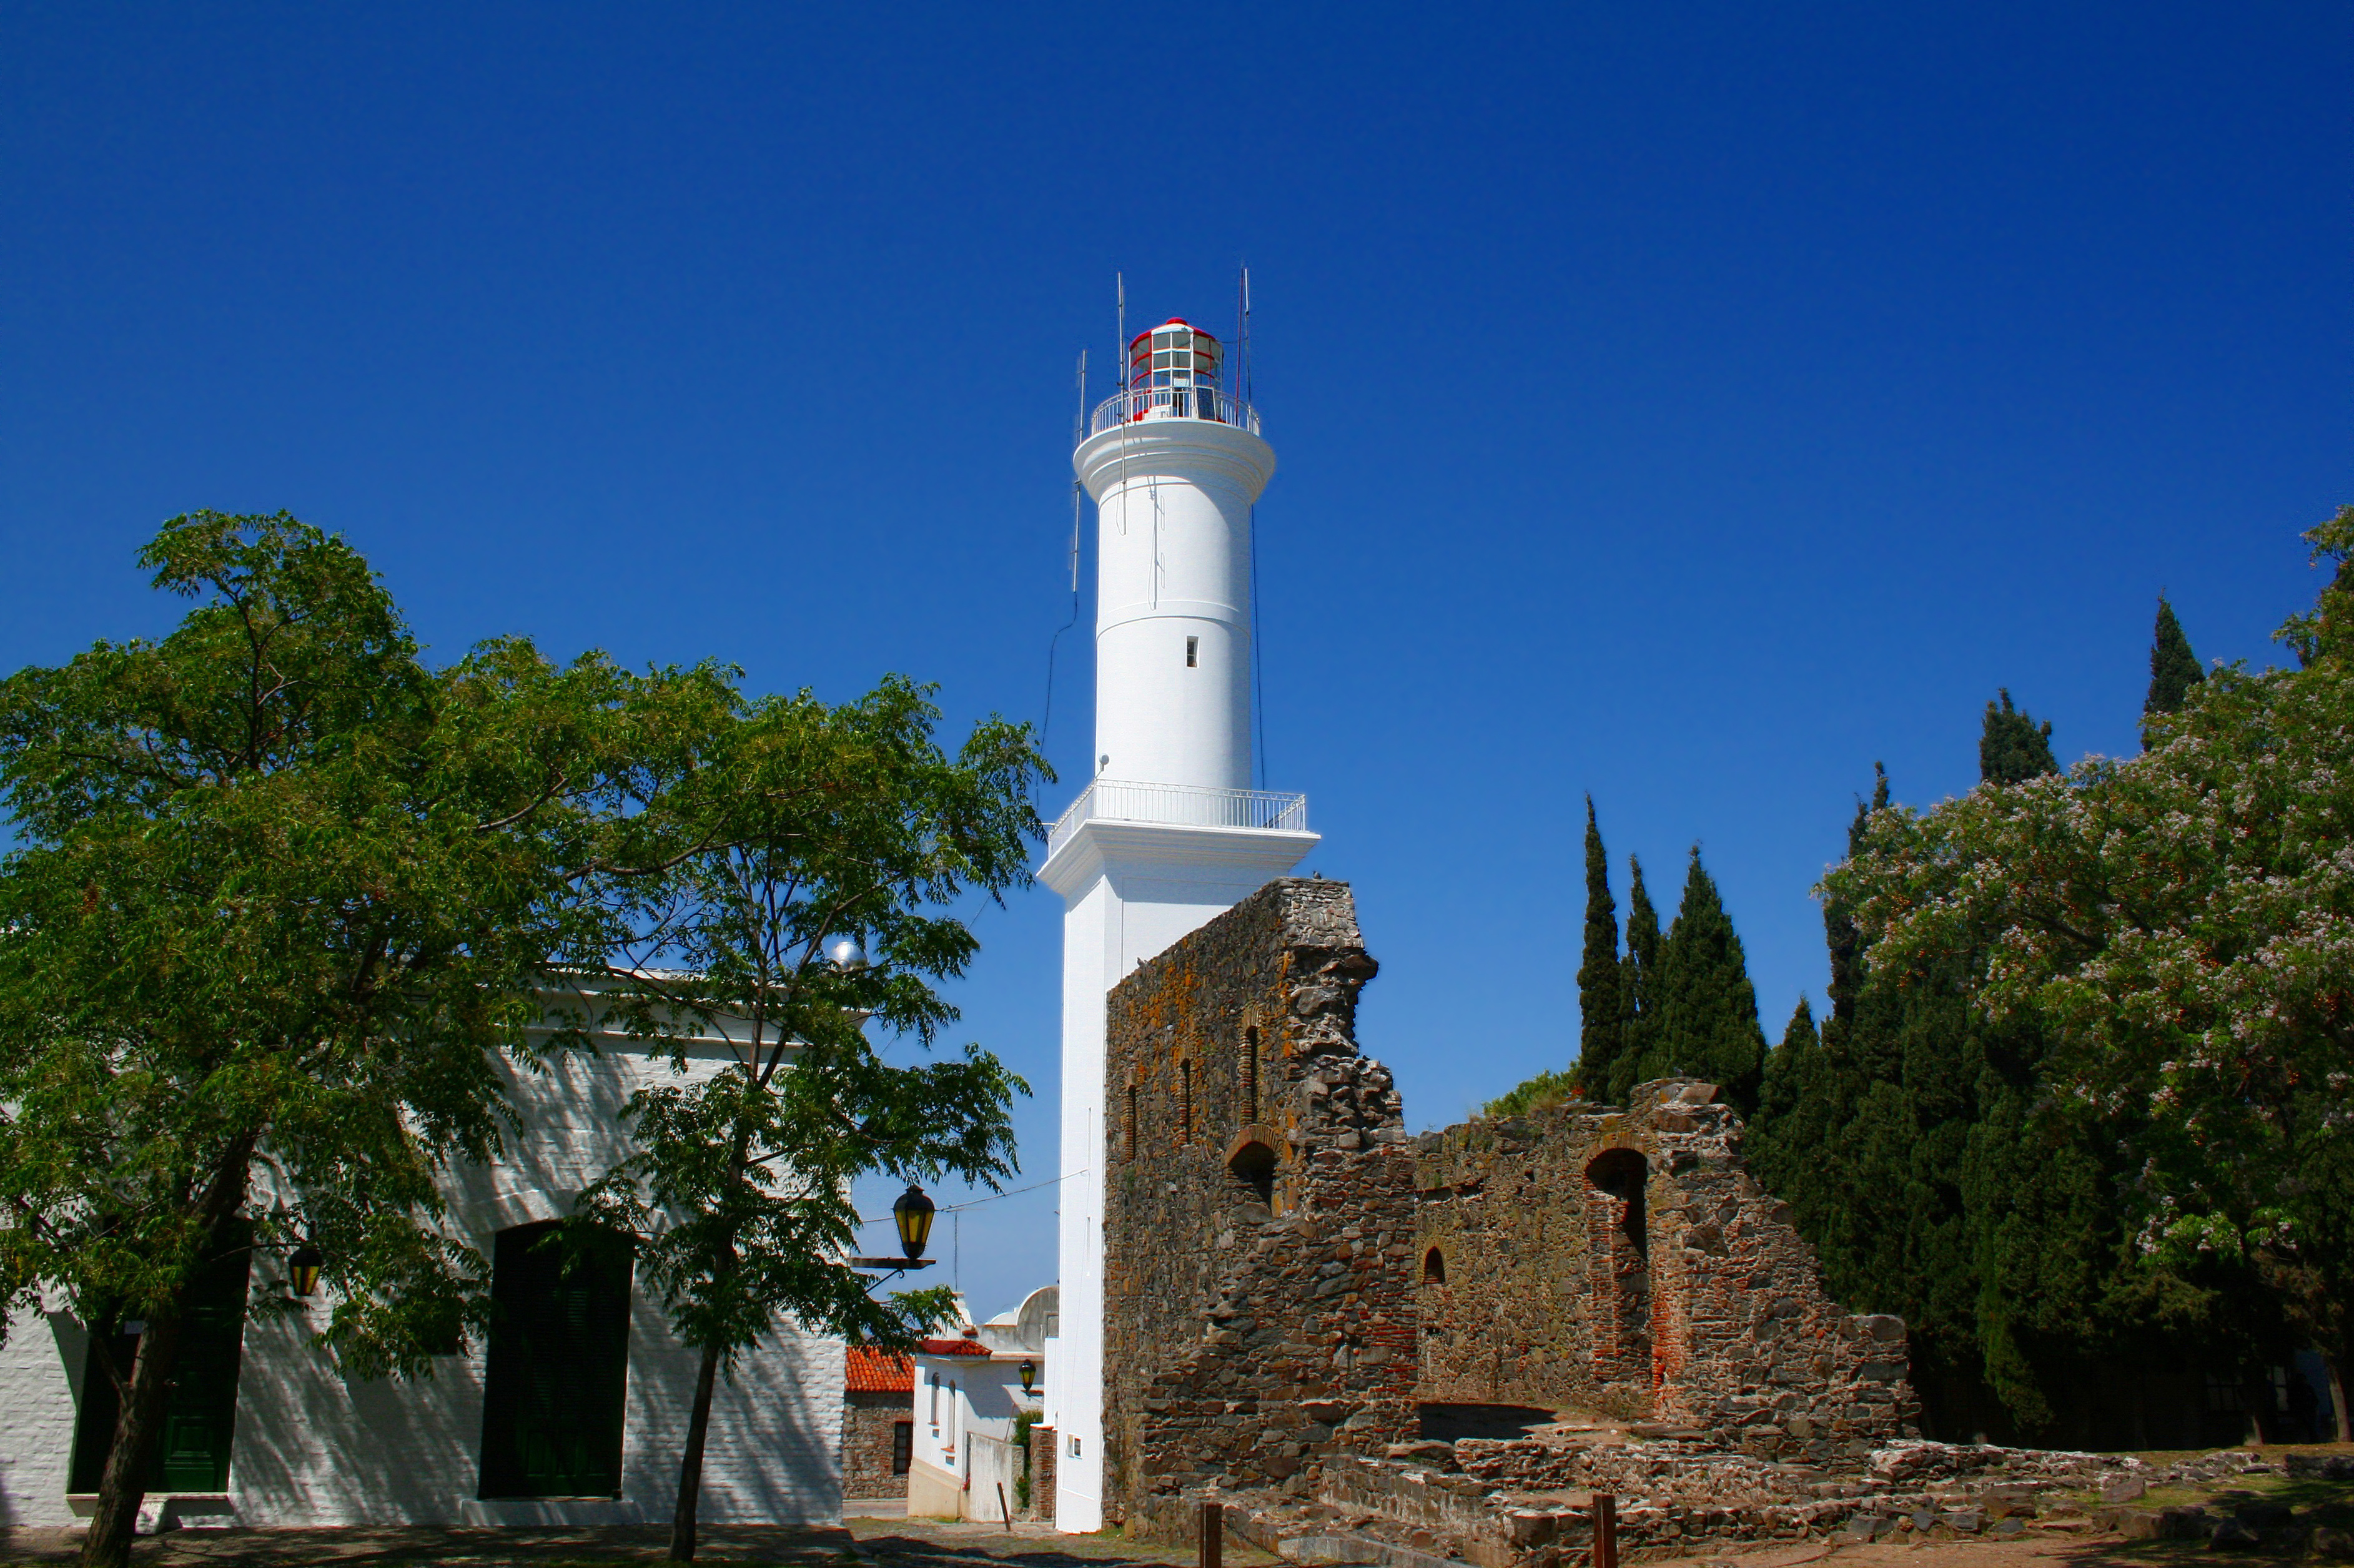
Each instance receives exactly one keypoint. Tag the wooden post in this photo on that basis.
(1213, 1538)
(1002, 1509)
(1605, 1531)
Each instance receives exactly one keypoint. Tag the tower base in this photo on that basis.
(1129, 890)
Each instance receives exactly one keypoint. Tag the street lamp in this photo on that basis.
(303, 1269)
(913, 1214)
(1029, 1376)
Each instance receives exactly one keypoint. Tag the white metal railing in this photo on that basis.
(1179, 805)
(1172, 403)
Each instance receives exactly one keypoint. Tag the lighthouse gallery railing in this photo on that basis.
(1172, 403)
(1179, 805)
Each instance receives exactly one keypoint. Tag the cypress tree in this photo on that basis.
(2173, 668)
(1707, 1008)
(1638, 976)
(1790, 1068)
(1840, 933)
(1600, 1026)
(1799, 1114)
(2011, 748)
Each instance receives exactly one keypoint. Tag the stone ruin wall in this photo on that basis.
(1258, 1218)
(1269, 1328)
(1623, 1262)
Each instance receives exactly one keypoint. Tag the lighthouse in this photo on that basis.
(1168, 832)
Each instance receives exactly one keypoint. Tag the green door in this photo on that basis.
(557, 1376)
(200, 1418)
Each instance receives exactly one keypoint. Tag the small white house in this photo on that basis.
(970, 1395)
(575, 1412)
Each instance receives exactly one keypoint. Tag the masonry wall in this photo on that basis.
(869, 1421)
(1259, 1228)
(1621, 1261)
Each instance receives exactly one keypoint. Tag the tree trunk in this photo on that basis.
(139, 1421)
(121, 1485)
(690, 1468)
(2333, 1365)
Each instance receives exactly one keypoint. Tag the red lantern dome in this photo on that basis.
(1174, 353)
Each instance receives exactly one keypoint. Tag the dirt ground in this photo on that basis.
(921, 1544)
(889, 1542)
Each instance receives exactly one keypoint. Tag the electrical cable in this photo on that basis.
(993, 1197)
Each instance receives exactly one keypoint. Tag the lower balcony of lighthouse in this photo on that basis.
(1229, 835)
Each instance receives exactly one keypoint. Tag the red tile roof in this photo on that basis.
(954, 1347)
(879, 1372)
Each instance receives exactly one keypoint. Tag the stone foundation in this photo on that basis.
(1526, 1504)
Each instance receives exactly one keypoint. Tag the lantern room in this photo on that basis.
(1175, 371)
(1172, 354)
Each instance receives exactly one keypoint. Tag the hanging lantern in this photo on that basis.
(1029, 1376)
(303, 1269)
(913, 1214)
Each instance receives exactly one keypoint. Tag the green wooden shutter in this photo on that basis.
(556, 1374)
(192, 1453)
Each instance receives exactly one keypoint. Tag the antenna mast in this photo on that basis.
(1243, 331)
(1078, 433)
(1243, 391)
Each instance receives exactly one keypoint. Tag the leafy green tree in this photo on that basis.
(2329, 631)
(1706, 1007)
(1994, 1230)
(784, 823)
(2173, 667)
(280, 897)
(1637, 983)
(1600, 1025)
(2176, 925)
(2012, 748)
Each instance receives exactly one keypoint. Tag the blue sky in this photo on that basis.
(1688, 404)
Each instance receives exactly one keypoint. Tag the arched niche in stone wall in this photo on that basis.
(1618, 1253)
(1252, 1162)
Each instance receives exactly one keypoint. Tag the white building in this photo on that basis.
(970, 1393)
(575, 1413)
(1169, 834)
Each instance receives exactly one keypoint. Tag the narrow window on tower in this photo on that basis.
(1184, 1102)
(1192, 653)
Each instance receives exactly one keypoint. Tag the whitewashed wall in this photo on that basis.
(315, 1448)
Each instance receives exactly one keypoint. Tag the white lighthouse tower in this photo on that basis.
(1169, 833)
